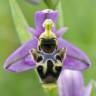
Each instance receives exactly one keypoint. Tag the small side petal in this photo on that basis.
(20, 60)
(61, 31)
(31, 30)
(75, 58)
(70, 83)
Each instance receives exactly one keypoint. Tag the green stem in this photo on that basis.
(61, 17)
(49, 4)
(51, 90)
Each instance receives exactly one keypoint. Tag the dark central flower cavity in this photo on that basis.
(48, 45)
(49, 65)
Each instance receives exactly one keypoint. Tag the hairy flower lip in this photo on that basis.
(49, 67)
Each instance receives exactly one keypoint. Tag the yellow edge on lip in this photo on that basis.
(49, 86)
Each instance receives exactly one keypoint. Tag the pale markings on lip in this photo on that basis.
(44, 65)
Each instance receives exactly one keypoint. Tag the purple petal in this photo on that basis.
(75, 58)
(31, 30)
(61, 31)
(40, 16)
(20, 60)
(70, 83)
(88, 89)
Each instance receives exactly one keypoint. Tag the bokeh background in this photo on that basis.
(79, 16)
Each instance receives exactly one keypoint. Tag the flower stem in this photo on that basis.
(51, 4)
(51, 89)
(61, 18)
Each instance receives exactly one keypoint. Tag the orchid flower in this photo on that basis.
(71, 57)
(70, 83)
(21, 60)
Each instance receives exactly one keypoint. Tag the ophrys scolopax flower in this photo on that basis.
(45, 26)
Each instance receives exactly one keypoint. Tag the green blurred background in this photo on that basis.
(79, 16)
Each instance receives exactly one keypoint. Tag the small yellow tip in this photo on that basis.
(49, 86)
(48, 24)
